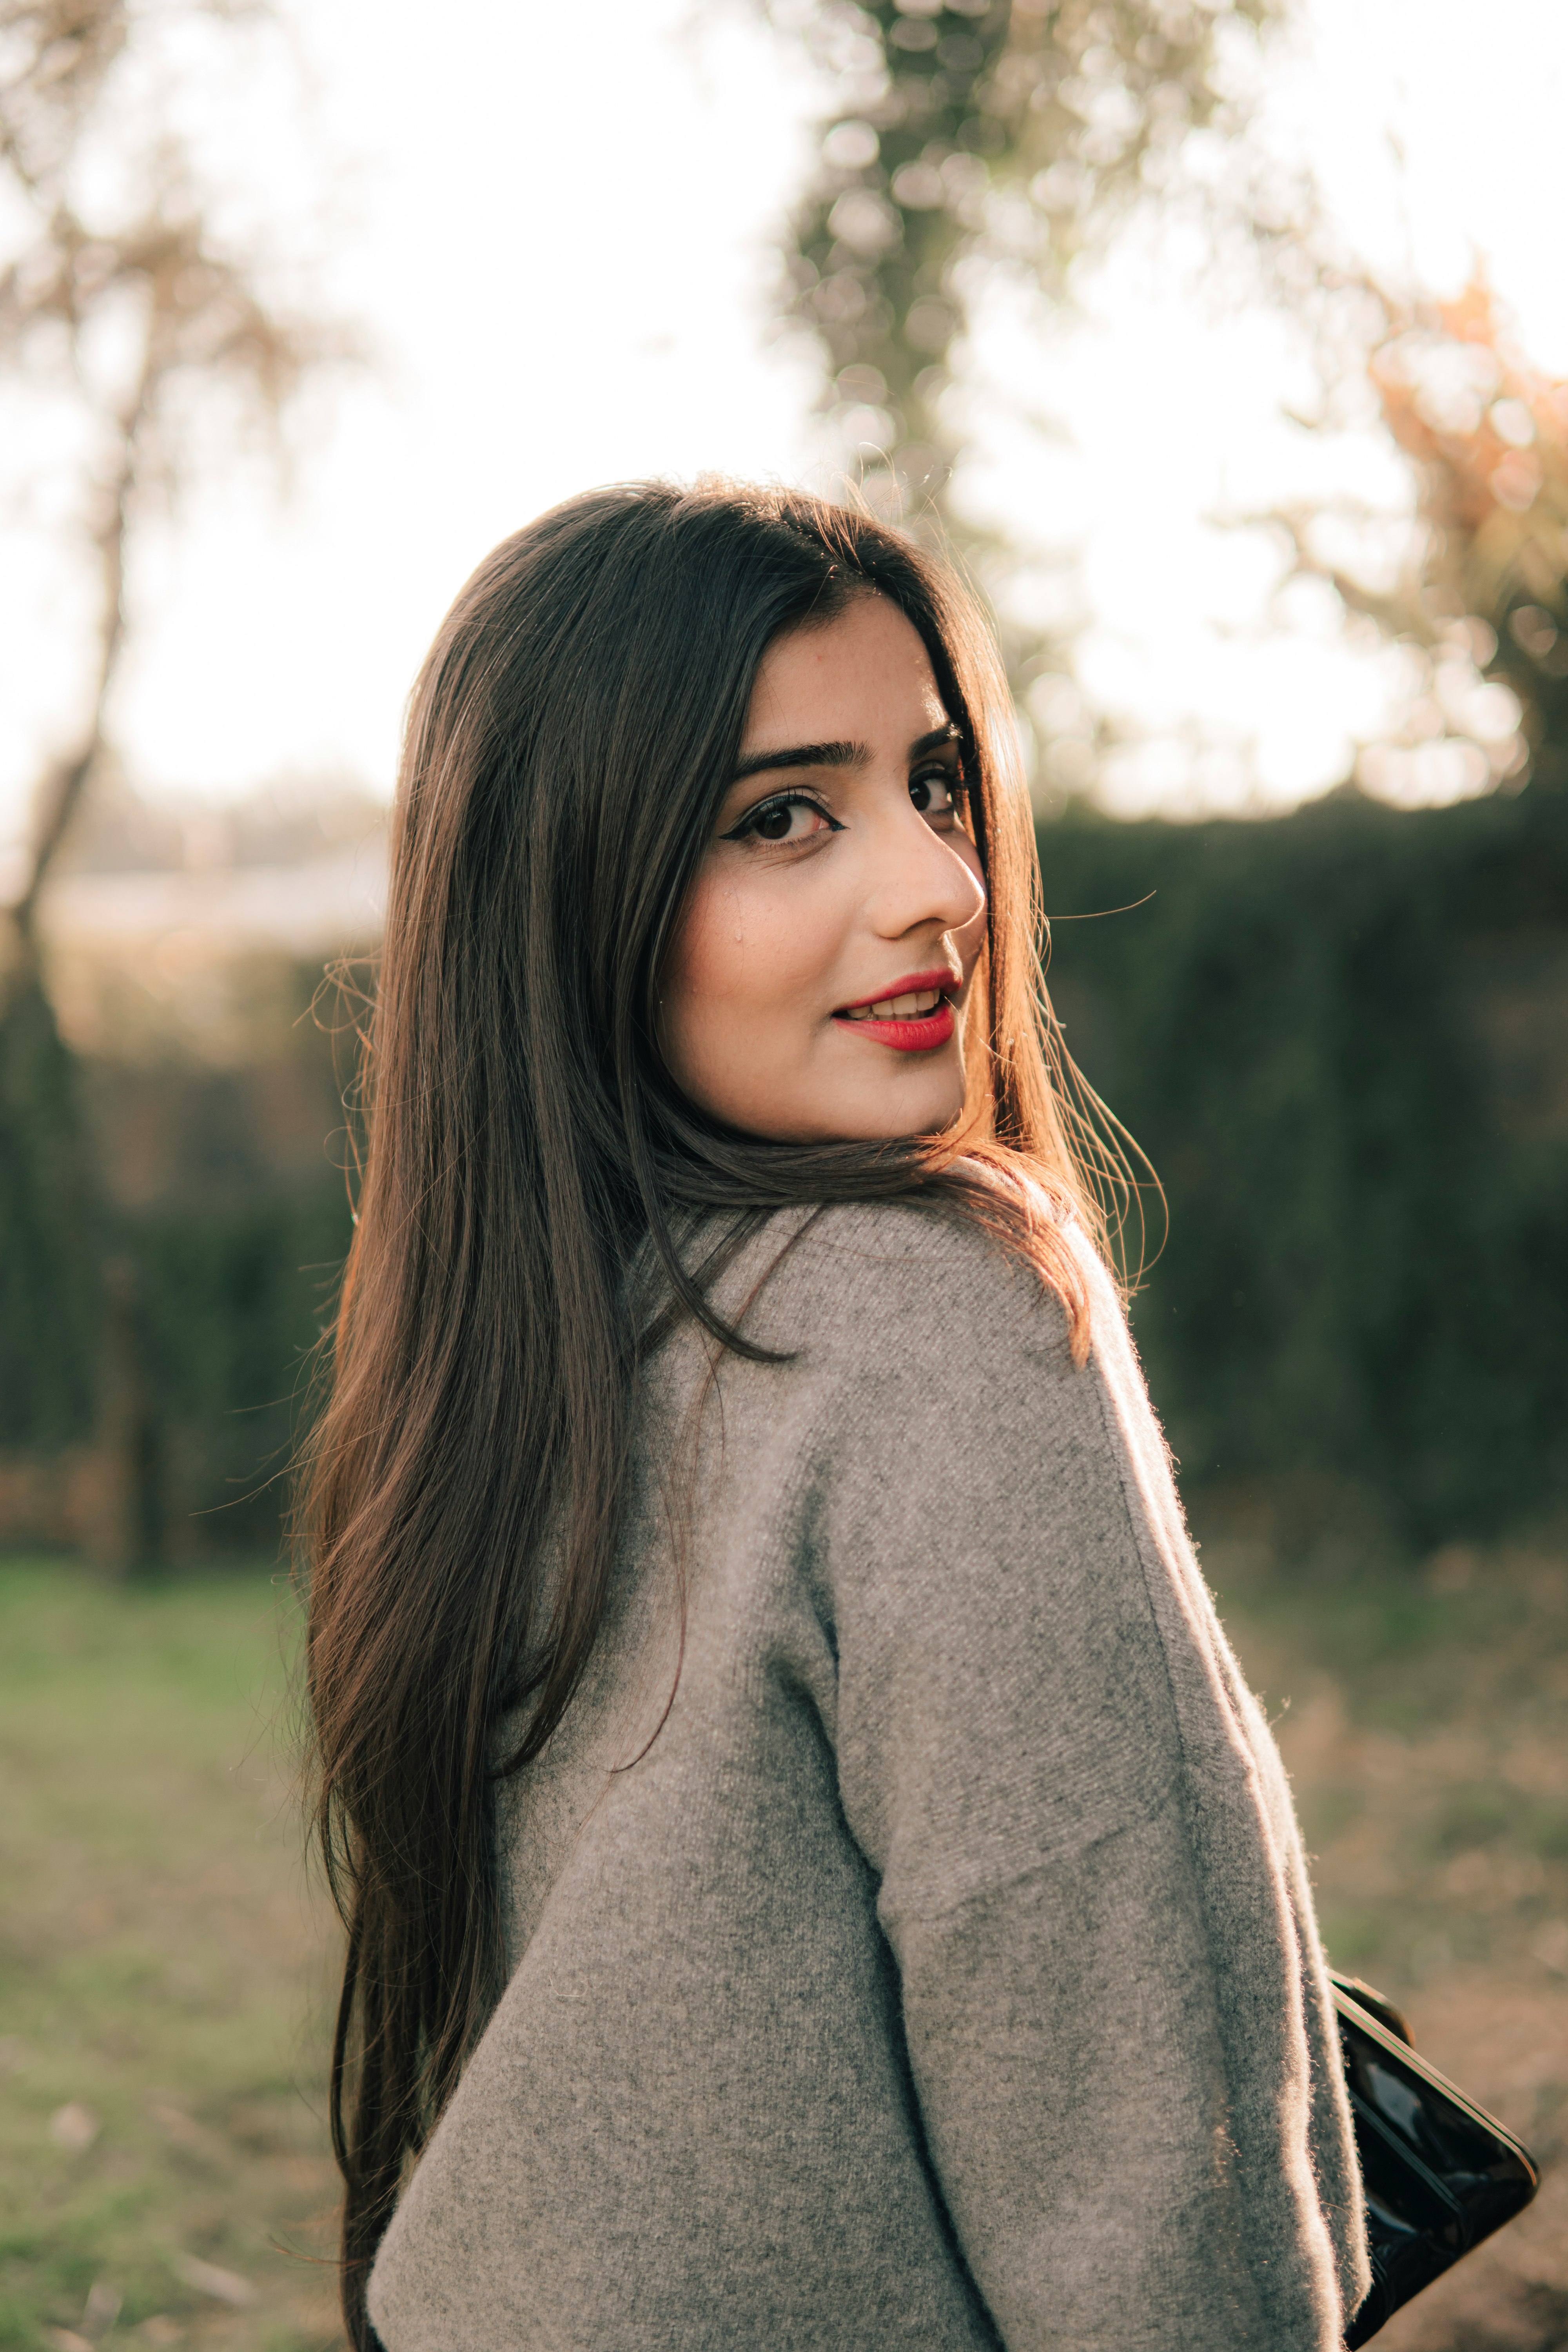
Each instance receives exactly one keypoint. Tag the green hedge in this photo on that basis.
(1342, 1039)
(51, 1236)
(236, 1300)
(211, 1197)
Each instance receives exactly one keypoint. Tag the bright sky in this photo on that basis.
(555, 225)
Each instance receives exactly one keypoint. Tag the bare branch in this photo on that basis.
(54, 55)
(212, 348)
(63, 788)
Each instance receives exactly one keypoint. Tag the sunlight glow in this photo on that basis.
(561, 253)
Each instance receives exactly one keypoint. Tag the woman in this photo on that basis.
(812, 1874)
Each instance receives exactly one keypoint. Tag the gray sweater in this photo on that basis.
(936, 1966)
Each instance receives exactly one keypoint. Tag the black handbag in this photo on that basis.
(1439, 2173)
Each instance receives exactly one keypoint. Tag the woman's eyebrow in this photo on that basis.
(801, 755)
(949, 732)
(833, 755)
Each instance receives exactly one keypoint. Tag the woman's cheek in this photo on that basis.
(706, 969)
(763, 952)
(716, 985)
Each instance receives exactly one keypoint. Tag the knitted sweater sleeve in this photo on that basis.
(1088, 1873)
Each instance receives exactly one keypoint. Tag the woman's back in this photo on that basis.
(907, 1933)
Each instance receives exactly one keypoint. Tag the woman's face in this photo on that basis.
(816, 989)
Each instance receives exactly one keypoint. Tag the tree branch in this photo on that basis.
(63, 789)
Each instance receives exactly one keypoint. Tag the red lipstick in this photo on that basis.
(914, 983)
(916, 1033)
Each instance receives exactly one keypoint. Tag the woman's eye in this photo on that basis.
(787, 820)
(936, 792)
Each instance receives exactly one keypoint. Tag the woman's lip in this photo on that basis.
(944, 977)
(920, 1033)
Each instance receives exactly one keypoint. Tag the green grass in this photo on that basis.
(160, 1965)
(1423, 1715)
(1402, 1644)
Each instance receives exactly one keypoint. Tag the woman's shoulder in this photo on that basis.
(912, 1283)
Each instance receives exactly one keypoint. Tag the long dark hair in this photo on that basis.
(569, 738)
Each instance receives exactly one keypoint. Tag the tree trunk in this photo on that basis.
(50, 1279)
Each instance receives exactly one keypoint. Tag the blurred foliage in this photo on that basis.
(974, 135)
(226, 1190)
(1342, 1039)
(237, 1297)
(1481, 584)
(219, 1210)
(1490, 434)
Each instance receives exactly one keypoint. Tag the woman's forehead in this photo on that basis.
(864, 670)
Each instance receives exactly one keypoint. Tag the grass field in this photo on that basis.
(164, 1980)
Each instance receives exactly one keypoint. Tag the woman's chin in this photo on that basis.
(924, 1104)
(913, 1096)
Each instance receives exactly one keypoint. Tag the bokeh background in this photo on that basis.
(1227, 347)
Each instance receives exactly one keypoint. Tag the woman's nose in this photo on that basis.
(921, 879)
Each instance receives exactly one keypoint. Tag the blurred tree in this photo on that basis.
(1490, 434)
(197, 343)
(1481, 588)
(973, 135)
(121, 293)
